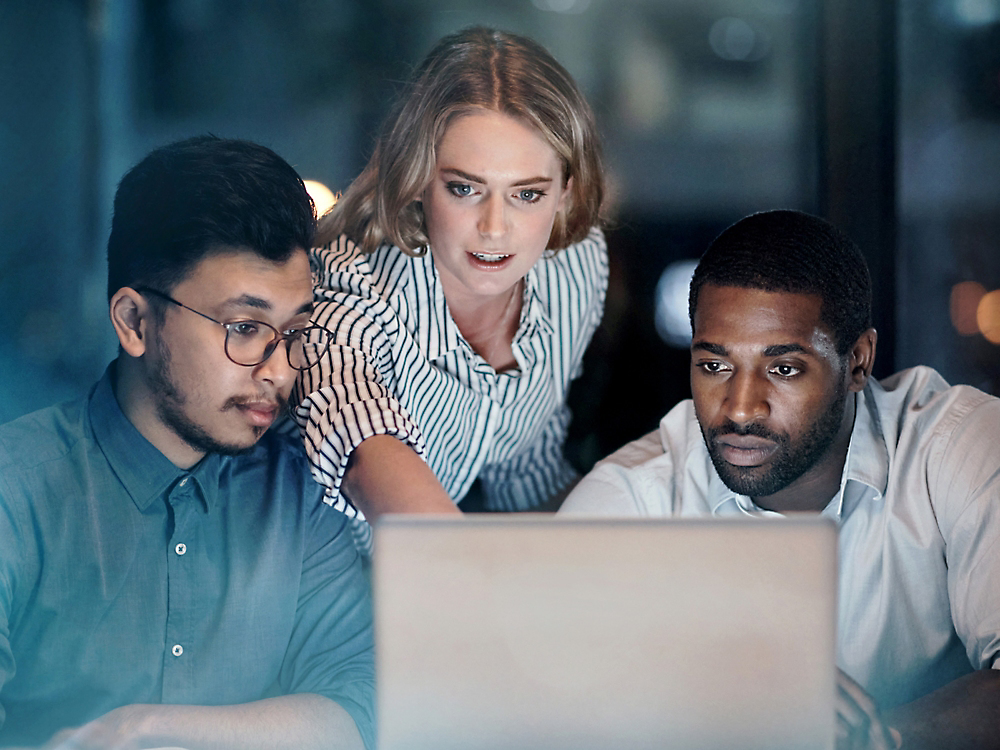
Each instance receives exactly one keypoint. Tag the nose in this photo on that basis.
(492, 218)
(276, 368)
(746, 398)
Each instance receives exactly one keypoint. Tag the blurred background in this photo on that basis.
(882, 116)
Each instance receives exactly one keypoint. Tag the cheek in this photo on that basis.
(796, 412)
(444, 222)
(705, 404)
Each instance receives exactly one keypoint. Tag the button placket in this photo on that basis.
(181, 591)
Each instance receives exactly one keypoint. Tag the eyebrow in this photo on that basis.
(259, 303)
(779, 350)
(776, 350)
(482, 181)
(707, 346)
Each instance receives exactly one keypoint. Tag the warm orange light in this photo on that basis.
(988, 316)
(322, 196)
(965, 297)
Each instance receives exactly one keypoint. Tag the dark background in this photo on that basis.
(882, 116)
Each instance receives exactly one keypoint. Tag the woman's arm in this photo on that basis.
(384, 475)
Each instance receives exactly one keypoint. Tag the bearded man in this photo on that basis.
(784, 417)
(168, 573)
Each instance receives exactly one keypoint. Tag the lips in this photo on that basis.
(259, 413)
(745, 450)
(489, 261)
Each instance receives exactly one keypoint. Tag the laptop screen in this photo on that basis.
(550, 632)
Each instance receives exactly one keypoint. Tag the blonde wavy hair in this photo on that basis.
(474, 69)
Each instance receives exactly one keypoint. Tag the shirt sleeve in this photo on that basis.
(635, 480)
(963, 472)
(348, 397)
(331, 650)
(576, 287)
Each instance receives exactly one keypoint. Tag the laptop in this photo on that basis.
(515, 632)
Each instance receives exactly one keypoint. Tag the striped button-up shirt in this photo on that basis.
(400, 366)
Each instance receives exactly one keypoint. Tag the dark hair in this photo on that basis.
(472, 70)
(790, 251)
(190, 199)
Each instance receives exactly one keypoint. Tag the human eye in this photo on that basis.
(295, 328)
(460, 189)
(786, 370)
(530, 195)
(711, 367)
(245, 328)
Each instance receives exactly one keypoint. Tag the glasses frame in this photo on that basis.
(268, 349)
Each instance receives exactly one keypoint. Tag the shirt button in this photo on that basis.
(184, 481)
(180, 549)
(177, 650)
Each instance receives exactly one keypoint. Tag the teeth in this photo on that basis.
(486, 257)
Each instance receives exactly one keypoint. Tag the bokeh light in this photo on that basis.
(322, 196)
(671, 312)
(965, 297)
(988, 316)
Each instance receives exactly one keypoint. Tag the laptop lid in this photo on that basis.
(501, 632)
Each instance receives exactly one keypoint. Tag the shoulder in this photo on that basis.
(577, 275)
(335, 256)
(330, 263)
(358, 294)
(919, 399)
(43, 436)
(641, 477)
(944, 434)
(588, 257)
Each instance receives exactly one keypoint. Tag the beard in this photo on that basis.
(170, 409)
(791, 459)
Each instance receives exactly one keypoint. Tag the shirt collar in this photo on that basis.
(442, 335)
(535, 316)
(868, 456)
(145, 473)
(867, 462)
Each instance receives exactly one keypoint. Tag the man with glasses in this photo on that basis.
(168, 573)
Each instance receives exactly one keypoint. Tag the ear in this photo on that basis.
(861, 359)
(131, 315)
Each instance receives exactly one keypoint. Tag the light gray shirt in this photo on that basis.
(919, 516)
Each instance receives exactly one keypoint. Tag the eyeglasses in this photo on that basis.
(250, 342)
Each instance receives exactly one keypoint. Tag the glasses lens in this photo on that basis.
(249, 342)
(308, 348)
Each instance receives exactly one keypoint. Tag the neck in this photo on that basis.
(490, 325)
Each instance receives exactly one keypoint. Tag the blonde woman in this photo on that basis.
(463, 274)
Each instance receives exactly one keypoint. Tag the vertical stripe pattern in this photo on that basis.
(399, 366)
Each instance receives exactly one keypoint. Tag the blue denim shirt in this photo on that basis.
(124, 579)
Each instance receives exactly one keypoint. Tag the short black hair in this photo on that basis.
(189, 199)
(791, 251)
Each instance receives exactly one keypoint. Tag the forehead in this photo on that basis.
(229, 274)
(485, 140)
(736, 317)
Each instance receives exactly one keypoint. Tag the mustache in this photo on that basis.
(731, 428)
(279, 402)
